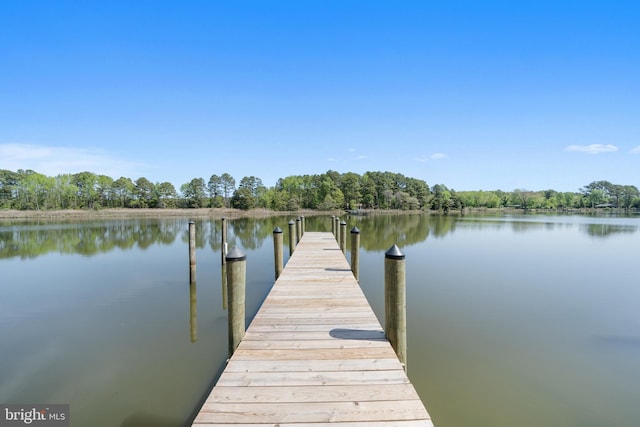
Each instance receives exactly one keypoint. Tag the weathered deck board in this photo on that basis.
(314, 355)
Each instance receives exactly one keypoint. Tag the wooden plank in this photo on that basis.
(357, 393)
(336, 333)
(278, 379)
(366, 353)
(331, 412)
(413, 423)
(270, 364)
(314, 355)
(311, 324)
(309, 344)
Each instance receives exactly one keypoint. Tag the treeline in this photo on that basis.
(598, 194)
(30, 190)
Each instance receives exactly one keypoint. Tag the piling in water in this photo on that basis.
(223, 269)
(337, 225)
(223, 240)
(343, 237)
(236, 280)
(292, 237)
(395, 302)
(192, 283)
(192, 244)
(298, 229)
(193, 310)
(355, 252)
(278, 256)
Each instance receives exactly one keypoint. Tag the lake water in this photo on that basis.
(513, 320)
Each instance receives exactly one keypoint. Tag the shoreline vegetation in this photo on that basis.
(230, 213)
(372, 192)
(145, 213)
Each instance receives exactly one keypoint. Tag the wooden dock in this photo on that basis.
(314, 355)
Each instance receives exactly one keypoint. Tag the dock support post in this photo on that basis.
(192, 282)
(333, 225)
(223, 242)
(223, 253)
(355, 252)
(337, 221)
(298, 229)
(192, 245)
(395, 302)
(236, 279)
(292, 237)
(343, 237)
(193, 309)
(278, 256)
(303, 223)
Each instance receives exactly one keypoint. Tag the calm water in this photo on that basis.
(514, 321)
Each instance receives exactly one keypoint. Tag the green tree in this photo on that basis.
(104, 191)
(350, 186)
(8, 185)
(144, 192)
(249, 193)
(195, 192)
(441, 198)
(86, 184)
(228, 186)
(123, 191)
(242, 199)
(166, 195)
(214, 187)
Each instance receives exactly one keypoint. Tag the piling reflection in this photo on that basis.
(193, 306)
(378, 232)
(193, 296)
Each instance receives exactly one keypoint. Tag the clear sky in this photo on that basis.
(471, 94)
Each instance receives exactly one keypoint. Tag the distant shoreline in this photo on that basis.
(86, 214)
(139, 213)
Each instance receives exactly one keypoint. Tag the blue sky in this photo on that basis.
(471, 94)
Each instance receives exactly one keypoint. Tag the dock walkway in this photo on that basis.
(314, 355)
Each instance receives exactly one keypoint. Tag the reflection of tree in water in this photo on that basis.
(533, 223)
(86, 238)
(607, 230)
(249, 233)
(380, 232)
(377, 232)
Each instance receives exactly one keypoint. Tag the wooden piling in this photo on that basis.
(355, 252)
(337, 222)
(236, 281)
(298, 229)
(303, 223)
(292, 237)
(278, 256)
(395, 302)
(223, 242)
(223, 269)
(333, 225)
(192, 283)
(193, 309)
(343, 237)
(192, 244)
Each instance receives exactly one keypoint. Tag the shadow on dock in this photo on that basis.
(357, 334)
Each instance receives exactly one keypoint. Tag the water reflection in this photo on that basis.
(378, 232)
(87, 238)
(193, 311)
(514, 337)
(193, 304)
